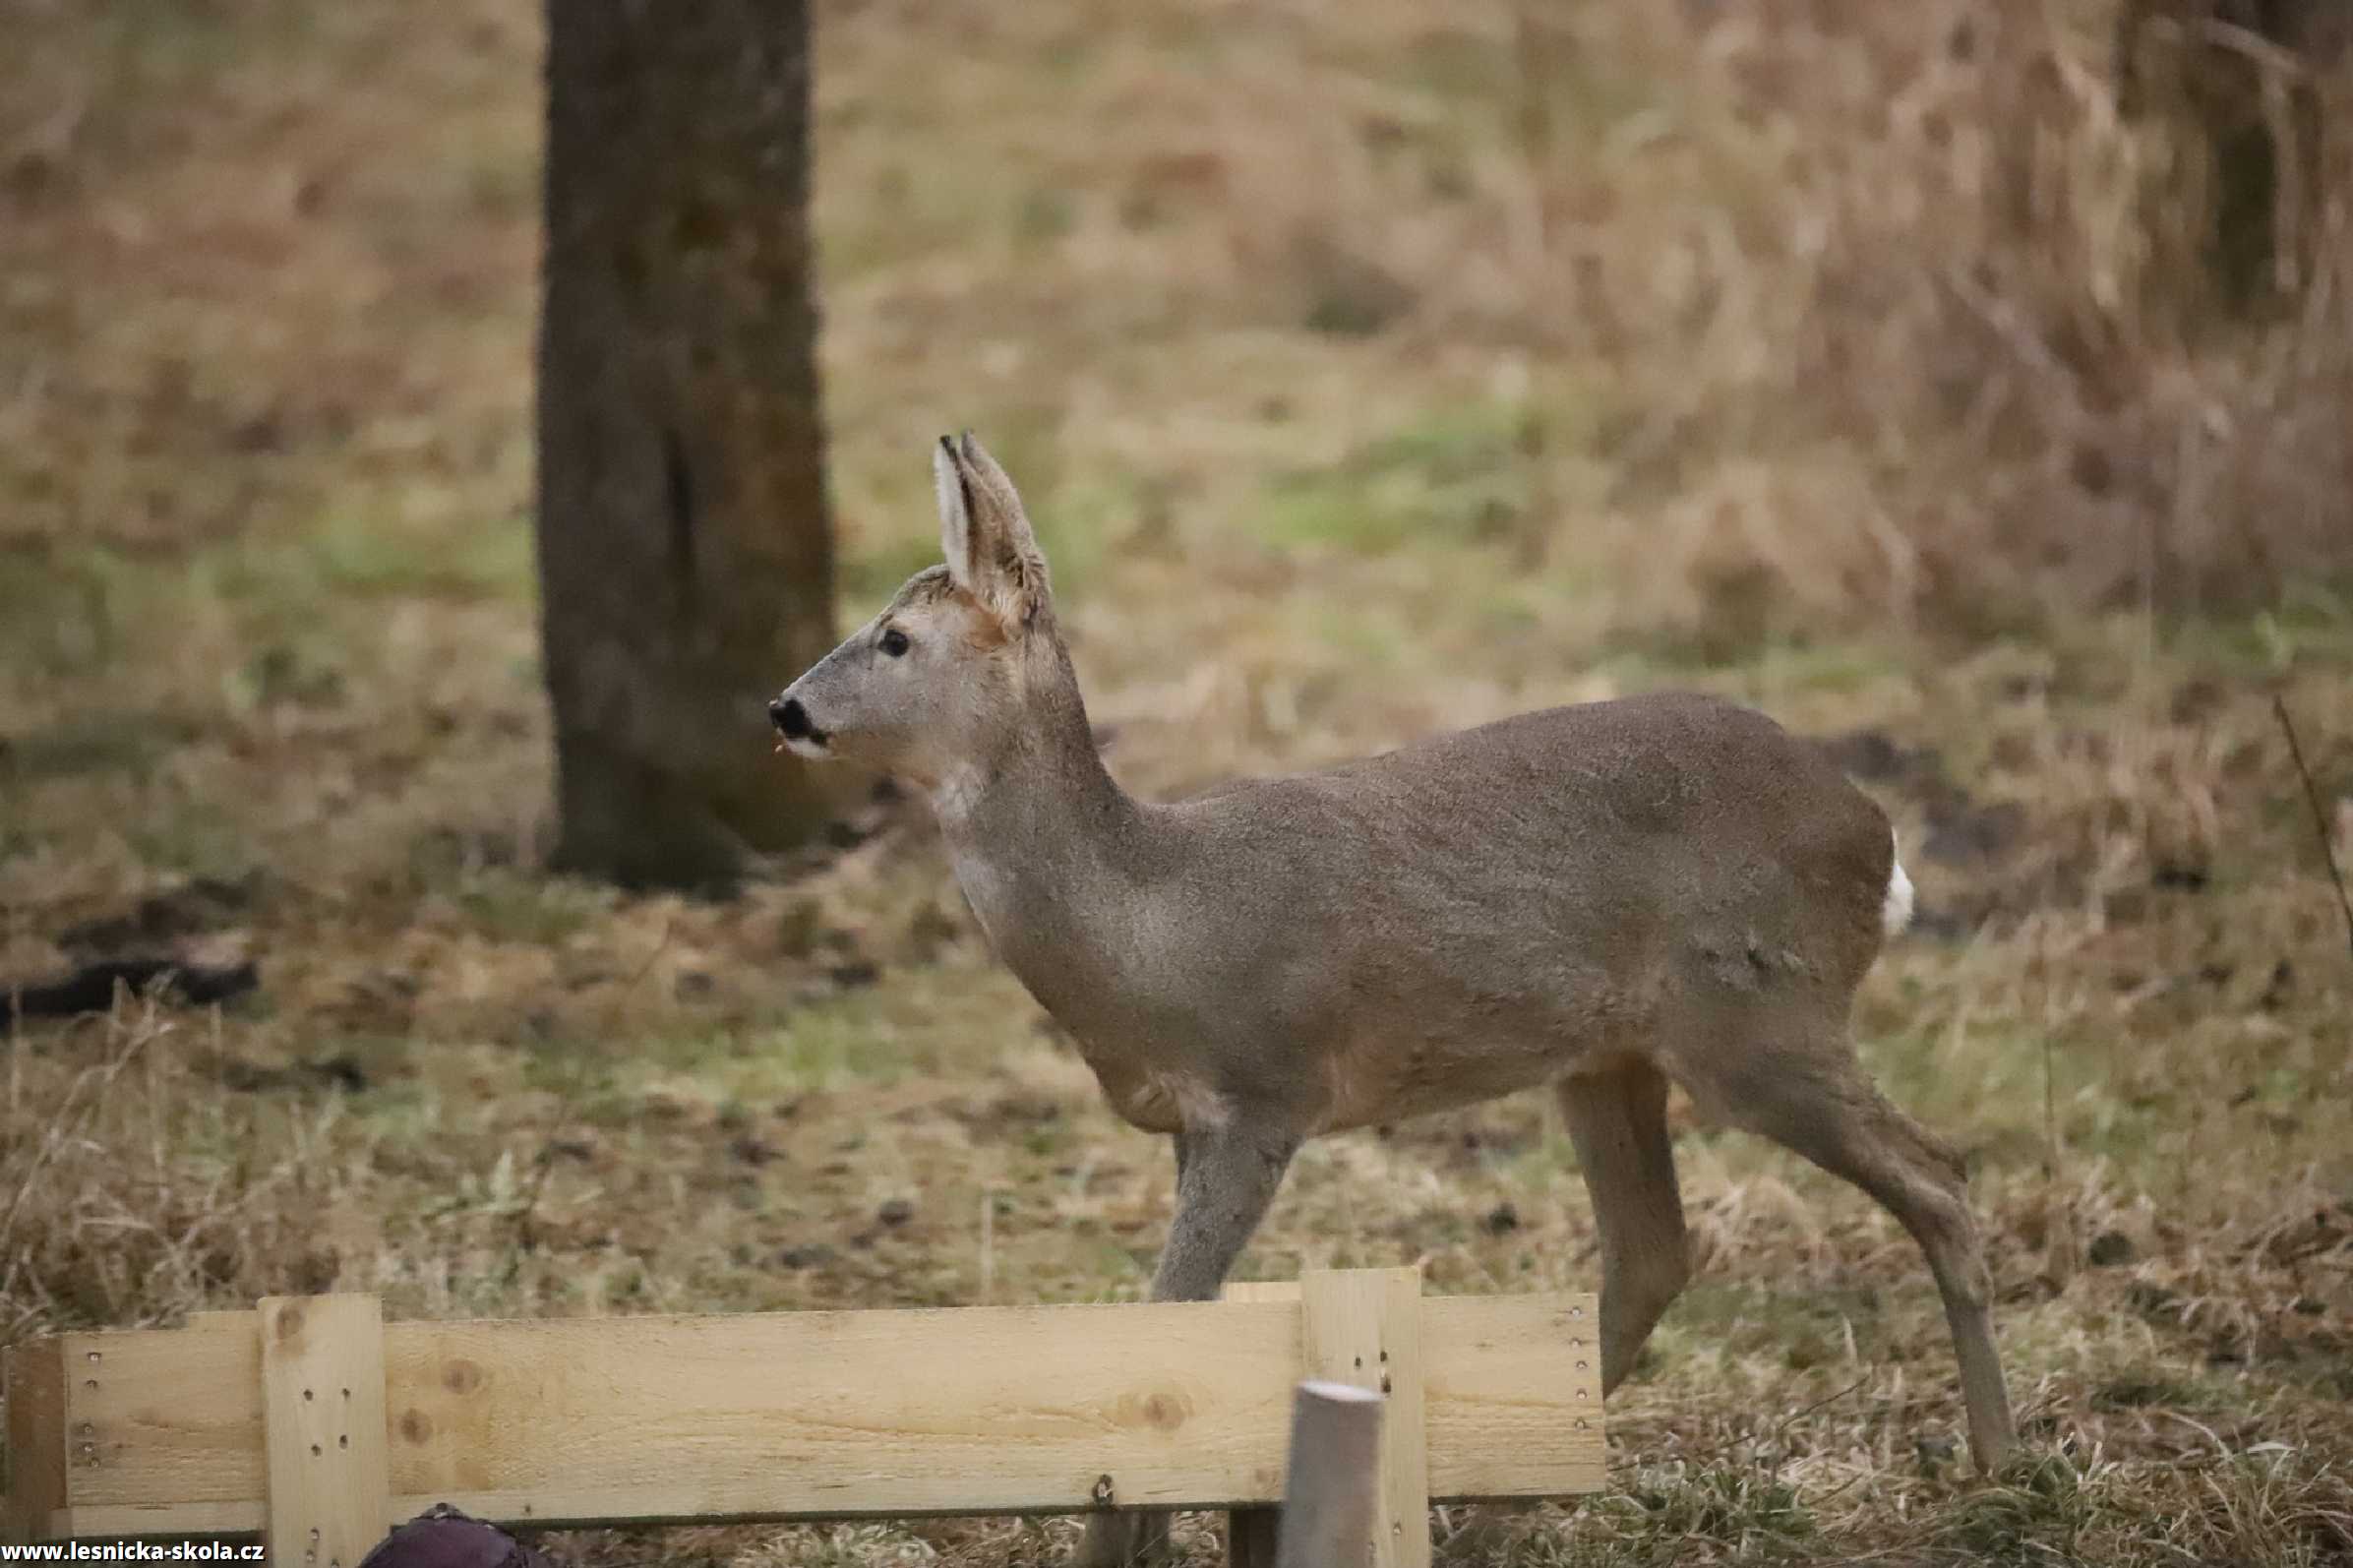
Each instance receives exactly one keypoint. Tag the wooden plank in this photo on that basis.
(1362, 1328)
(164, 1416)
(973, 1409)
(329, 1489)
(210, 1322)
(1512, 1391)
(1253, 1534)
(179, 1520)
(38, 1435)
(979, 1410)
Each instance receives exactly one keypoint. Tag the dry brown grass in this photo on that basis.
(1372, 371)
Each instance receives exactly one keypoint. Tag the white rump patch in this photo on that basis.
(1896, 910)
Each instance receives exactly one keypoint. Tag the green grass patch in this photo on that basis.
(65, 614)
(841, 1043)
(2311, 624)
(363, 555)
(124, 741)
(870, 575)
(2152, 1388)
(2034, 1514)
(194, 837)
(1798, 1329)
(1759, 1510)
(275, 585)
(522, 907)
(1452, 478)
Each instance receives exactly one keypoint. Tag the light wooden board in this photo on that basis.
(831, 1415)
(109, 1521)
(1251, 1533)
(1362, 1328)
(329, 1492)
(165, 1415)
(1511, 1389)
(972, 1411)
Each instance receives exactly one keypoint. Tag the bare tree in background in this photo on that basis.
(684, 550)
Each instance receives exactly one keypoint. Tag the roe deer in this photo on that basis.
(1607, 898)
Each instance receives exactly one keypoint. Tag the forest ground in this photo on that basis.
(1244, 298)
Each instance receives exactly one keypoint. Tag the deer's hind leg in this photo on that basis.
(1806, 1092)
(1617, 1120)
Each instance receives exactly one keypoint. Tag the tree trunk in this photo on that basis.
(684, 550)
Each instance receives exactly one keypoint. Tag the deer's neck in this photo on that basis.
(1037, 809)
(1052, 853)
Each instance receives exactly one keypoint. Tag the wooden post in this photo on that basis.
(329, 1479)
(1332, 1498)
(36, 1439)
(1364, 1327)
(1360, 1327)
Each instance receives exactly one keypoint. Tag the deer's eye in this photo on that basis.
(894, 642)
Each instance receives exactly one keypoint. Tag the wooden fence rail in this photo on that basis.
(312, 1415)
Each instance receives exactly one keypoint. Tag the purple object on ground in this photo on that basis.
(442, 1537)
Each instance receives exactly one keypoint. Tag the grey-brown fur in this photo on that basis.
(1605, 898)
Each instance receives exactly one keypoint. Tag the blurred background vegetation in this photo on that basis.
(1970, 383)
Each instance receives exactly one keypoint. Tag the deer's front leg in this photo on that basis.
(1225, 1176)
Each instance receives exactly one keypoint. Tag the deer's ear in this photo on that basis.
(985, 533)
(955, 513)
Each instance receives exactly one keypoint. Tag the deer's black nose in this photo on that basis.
(791, 717)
